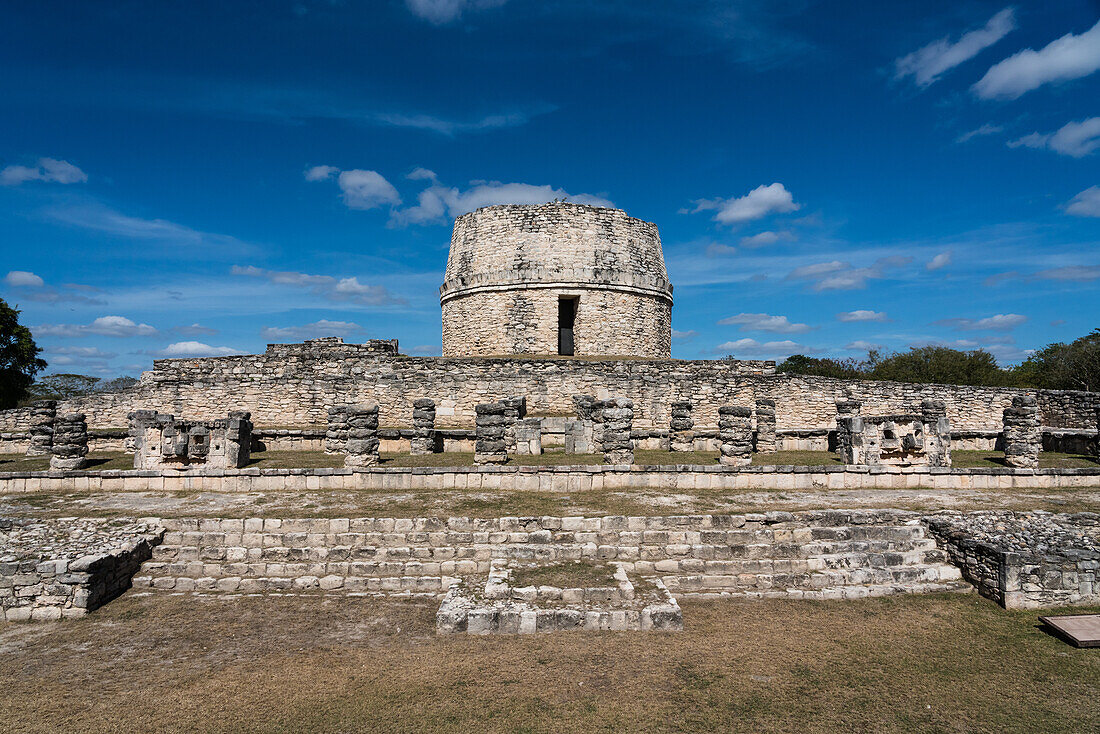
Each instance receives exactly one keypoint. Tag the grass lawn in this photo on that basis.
(167, 663)
(1047, 460)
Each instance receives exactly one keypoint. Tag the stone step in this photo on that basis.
(747, 582)
(430, 585)
(837, 592)
(283, 554)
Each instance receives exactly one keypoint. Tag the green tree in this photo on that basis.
(1060, 366)
(19, 361)
(941, 365)
(67, 385)
(844, 369)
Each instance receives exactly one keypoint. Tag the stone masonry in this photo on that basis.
(490, 447)
(515, 409)
(362, 446)
(765, 426)
(423, 440)
(70, 442)
(1022, 433)
(528, 433)
(43, 413)
(510, 266)
(680, 435)
(618, 417)
(336, 433)
(735, 435)
(163, 441)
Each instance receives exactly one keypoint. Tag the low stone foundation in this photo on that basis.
(1025, 560)
(51, 569)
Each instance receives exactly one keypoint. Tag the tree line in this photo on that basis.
(1057, 366)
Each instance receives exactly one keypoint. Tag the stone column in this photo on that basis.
(529, 437)
(1023, 434)
(618, 418)
(846, 410)
(937, 432)
(680, 435)
(238, 439)
(336, 434)
(735, 435)
(362, 445)
(765, 426)
(489, 434)
(582, 437)
(43, 413)
(138, 421)
(70, 442)
(515, 409)
(423, 439)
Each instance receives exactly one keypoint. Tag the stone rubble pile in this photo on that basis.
(1023, 433)
(1033, 534)
(735, 435)
(70, 442)
(681, 437)
(423, 439)
(489, 446)
(362, 446)
(765, 426)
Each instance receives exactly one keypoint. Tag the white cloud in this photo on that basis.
(841, 276)
(765, 322)
(1069, 57)
(751, 347)
(762, 239)
(118, 326)
(437, 202)
(195, 329)
(999, 322)
(86, 352)
(366, 189)
(427, 350)
(1076, 139)
(99, 218)
(926, 65)
(939, 261)
(326, 286)
(441, 12)
(450, 128)
(982, 131)
(317, 329)
(23, 278)
(321, 173)
(49, 170)
(863, 346)
(1076, 273)
(861, 315)
(715, 249)
(760, 202)
(195, 349)
(1085, 204)
(684, 336)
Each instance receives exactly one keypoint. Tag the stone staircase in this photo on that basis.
(813, 555)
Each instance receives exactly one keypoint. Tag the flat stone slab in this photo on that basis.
(500, 608)
(1079, 630)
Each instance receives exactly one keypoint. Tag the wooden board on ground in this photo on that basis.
(1080, 630)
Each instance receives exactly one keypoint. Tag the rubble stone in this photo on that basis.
(735, 435)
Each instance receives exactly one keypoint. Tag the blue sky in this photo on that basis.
(203, 178)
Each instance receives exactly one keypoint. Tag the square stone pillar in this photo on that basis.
(515, 410)
(362, 445)
(735, 435)
(70, 442)
(618, 419)
(423, 438)
(1023, 433)
(528, 433)
(489, 434)
(937, 432)
(681, 437)
(765, 426)
(845, 411)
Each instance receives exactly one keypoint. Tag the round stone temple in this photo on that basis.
(555, 279)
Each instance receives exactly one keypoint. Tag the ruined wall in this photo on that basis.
(509, 265)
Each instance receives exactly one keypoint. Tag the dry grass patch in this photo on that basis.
(944, 663)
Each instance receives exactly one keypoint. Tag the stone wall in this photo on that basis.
(1025, 560)
(509, 265)
(825, 554)
(51, 569)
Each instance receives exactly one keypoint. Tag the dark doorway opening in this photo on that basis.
(567, 317)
